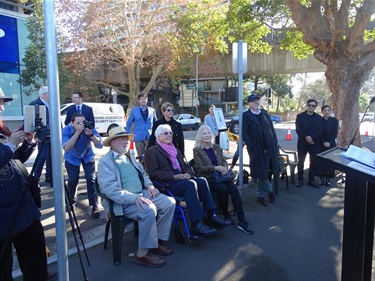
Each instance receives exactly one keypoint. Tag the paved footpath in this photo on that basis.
(297, 238)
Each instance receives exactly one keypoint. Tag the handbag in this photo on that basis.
(220, 178)
(32, 184)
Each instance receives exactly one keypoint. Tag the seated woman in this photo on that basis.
(208, 158)
(165, 163)
(167, 110)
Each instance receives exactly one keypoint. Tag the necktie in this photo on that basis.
(78, 109)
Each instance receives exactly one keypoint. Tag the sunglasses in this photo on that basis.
(311, 105)
(168, 133)
(169, 110)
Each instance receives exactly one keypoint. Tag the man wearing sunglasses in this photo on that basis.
(309, 128)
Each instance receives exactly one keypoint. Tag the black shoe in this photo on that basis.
(95, 214)
(313, 184)
(244, 226)
(218, 222)
(299, 183)
(321, 182)
(202, 230)
(262, 201)
(327, 182)
(229, 217)
(271, 197)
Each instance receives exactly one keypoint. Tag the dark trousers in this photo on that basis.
(42, 152)
(189, 189)
(302, 150)
(73, 179)
(223, 190)
(31, 254)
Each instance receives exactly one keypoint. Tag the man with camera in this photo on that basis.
(76, 141)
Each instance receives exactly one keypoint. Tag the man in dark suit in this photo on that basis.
(309, 128)
(79, 107)
(43, 149)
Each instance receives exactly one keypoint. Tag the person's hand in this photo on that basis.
(29, 137)
(17, 137)
(326, 144)
(140, 201)
(185, 176)
(153, 191)
(309, 140)
(88, 131)
(221, 169)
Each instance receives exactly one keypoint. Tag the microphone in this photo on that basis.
(371, 102)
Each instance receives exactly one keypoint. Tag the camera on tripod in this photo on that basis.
(34, 120)
(89, 124)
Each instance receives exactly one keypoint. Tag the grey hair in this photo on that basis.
(160, 129)
(43, 90)
(199, 138)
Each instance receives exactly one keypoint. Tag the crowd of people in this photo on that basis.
(130, 184)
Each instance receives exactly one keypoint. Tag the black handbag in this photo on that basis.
(32, 184)
(220, 178)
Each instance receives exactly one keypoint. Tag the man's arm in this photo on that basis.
(130, 121)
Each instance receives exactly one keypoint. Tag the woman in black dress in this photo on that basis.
(328, 141)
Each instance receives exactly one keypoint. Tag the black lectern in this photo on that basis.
(359, 210)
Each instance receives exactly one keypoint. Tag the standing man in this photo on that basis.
(143, 118)
(210, 121)
(79, 107)
(126, 183)
(309, 128)
(43, 149)
(261, 142)
(76, 142)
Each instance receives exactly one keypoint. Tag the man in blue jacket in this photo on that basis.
(143, 118)
(76, 142)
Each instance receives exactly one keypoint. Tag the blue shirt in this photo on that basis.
(82, 149)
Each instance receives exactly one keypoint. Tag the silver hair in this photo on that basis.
(160, 129)
(199, 138)
(43, 90)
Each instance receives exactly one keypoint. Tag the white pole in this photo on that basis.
(56, 156)
(240, 106)
(196, 85)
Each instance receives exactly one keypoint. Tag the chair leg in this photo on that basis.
(287, 181)
(118, 225)
(276, 185)
(107, 225)
(292, 180)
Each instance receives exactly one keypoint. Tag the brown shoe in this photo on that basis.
(262, 201)
(150, 260)
(162, 250)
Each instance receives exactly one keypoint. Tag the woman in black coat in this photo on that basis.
(167, 110)
(327, 141)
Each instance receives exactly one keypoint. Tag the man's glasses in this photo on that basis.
(168, 133)
(169, 110)
(311, 105)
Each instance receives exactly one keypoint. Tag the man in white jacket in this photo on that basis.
(125, 182)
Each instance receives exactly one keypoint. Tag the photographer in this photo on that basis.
(19, 215)
(76, 142)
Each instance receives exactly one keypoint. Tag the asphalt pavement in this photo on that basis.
(297, 238)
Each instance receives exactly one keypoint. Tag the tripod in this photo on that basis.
(73, 223)
(45, 142)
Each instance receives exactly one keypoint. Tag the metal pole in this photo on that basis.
(196, 85)
(56, 156)
(240, 105)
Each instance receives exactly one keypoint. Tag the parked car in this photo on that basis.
(104, 113)
(369, 117)
(188, 121)
(233, 122)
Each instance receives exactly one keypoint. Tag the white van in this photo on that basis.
(105, 114)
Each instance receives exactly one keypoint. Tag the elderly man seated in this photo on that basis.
(165, 163)
(125, 182)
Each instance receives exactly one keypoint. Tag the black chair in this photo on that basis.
(118, 224)
(291, 161)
